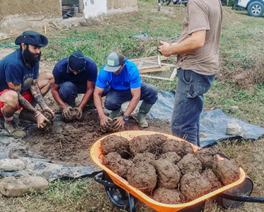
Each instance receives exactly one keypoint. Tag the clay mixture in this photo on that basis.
(168, 170)
(69, 143)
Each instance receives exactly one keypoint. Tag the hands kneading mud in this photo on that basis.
(70, 114)
(50, 117)
(112, 125)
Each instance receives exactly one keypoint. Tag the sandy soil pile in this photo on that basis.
(168, 170)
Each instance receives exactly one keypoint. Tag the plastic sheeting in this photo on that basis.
(35, 164)
(213, 124)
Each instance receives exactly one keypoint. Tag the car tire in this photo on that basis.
(255, 9)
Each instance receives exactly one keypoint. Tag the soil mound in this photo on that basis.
(194, 185)
(206, 156)
(117, 144)
(171, 156)
(190, 163)
(145, 143)
(177, 175)
(169, 173)
(142, 176)
(181, 148)
(226, 170)
(168, 196)
(116, 163)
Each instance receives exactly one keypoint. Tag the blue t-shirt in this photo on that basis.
(62, 73)
(14, 69)
(127, 79)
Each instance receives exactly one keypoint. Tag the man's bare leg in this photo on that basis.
(45, 81)
(10, 105)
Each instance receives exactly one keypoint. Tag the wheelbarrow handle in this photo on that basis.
(241, 198)
(99, 178)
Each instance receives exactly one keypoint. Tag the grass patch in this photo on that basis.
(241, 52)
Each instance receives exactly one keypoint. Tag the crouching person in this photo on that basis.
(74, 75)
(21, 85)
(119, 81)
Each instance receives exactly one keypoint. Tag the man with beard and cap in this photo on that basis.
(21, 85)
(74, 75)
(119, 81)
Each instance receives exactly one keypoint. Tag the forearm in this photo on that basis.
(188, 45)
(25, 104)
(98, 105)
(87, 96)
(132, 105)
(57, 98)
(34, 89)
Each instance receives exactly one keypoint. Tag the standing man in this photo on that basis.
(21, 85)
(197, 63)
(74, 75)
(125, 84)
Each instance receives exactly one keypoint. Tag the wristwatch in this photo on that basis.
(125, 117)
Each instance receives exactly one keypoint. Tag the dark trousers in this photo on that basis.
(115, 98)
(188, 104)
(69, 91)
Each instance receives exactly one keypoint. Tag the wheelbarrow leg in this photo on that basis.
(131, 200)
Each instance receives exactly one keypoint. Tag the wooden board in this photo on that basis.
(154, 64)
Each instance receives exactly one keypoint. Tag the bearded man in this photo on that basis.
(21, 85)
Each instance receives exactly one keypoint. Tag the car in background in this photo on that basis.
(254, 7)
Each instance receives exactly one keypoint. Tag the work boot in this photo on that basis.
(115, 113)
(13, 130)
(27, 115)
(143, 110)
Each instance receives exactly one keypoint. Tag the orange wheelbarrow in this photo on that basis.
(123, 195)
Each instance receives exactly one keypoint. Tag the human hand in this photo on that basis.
(164, 49)
(106, 126)
(42, 121)
(52, 114)
(118, 123)
(67, 113)
(77, 113)
(104, 119)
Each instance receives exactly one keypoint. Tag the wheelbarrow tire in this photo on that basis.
(119, 197)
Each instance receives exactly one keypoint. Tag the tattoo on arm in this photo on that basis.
(25, 104)
(35, 91)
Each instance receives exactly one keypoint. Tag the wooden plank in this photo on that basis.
(154, 69)
(149, 58)
(173, 74)
(167, 64)
(139, 65)
(154, 77)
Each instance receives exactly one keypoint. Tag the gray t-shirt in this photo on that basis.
(202, 15)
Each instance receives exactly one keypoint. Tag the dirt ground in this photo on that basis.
(70, 143)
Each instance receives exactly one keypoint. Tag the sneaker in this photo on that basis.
(13, 130)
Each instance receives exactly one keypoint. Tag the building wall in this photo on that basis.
(93, 8)
(18, 15)
(30, 7)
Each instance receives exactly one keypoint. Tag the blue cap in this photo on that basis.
(32, 38)
(77, 61)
